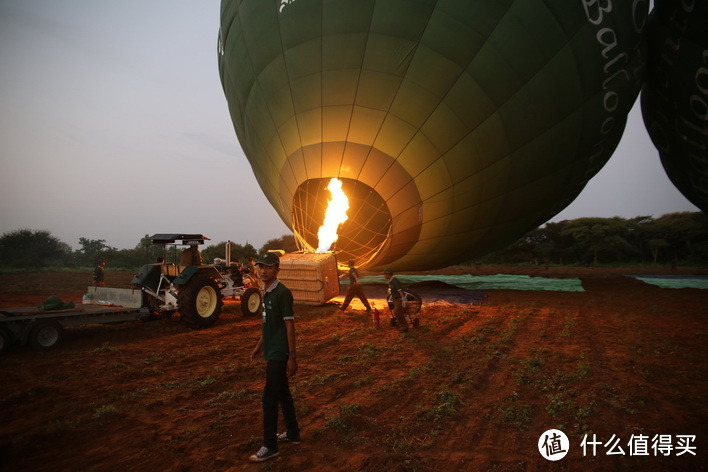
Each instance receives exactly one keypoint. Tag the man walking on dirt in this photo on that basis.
(355, 289)
(277, 343)
(396, 290)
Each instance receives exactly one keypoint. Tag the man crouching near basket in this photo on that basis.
(277, 343)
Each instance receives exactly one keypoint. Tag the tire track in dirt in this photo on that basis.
(478, 426)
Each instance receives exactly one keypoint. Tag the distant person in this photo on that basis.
(277, 343)
(190, 256)
(99, 275)
(355, 289)
(395, 290)
(160, 260)
(250, 267)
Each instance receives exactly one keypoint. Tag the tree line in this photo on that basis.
(39, 249)
(675, 238)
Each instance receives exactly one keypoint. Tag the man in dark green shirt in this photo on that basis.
(277, 343)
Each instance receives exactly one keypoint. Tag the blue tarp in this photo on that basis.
(486, 282)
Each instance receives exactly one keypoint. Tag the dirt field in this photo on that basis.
(473, 388)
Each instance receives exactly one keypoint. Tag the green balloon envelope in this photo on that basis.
(675, 96)
(455, 126)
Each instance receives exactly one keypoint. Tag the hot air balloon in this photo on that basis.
(675, 95)
(454, 126)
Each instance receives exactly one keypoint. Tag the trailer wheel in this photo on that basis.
(5, 341)
(200, 301)
(251, 302)
(46, 335)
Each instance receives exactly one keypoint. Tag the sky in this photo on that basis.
(113, 125)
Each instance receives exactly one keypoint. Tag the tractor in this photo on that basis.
(196, 291)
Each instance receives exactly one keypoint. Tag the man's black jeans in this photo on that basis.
(277, 391)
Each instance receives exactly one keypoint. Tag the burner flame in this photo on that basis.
(335, 215)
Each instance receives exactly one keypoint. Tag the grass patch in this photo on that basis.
(105, 348)
(172, 384)
(229, 395)
(445, 406)
(59, 425)
(320, 380)
(345, 359)
(416, 372)
(568, 327)
(370, 351)
(361, 381)
(344, 422)
(557, 404)
(560, 380)
(105, 410)
(563, 407)
(394, 385)
(533, 364)
(139, 393)
(582, 370)
(516, 414)
(210, 379)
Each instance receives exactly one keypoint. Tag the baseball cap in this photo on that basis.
(269, 259)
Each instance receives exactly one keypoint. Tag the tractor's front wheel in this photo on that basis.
(200, 301)
(251, 302)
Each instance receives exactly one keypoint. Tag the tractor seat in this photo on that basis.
(171, 270)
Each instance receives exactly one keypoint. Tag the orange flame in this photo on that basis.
(335, 215)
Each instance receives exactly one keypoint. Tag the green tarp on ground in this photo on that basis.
(675, 282)
(54, 303)
(487, 282)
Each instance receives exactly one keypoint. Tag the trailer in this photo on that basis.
(44, 329)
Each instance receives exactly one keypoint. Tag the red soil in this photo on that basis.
(473, 388)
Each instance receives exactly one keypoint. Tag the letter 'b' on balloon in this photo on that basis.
(454, 126)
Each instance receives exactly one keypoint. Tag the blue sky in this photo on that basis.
(113, 124)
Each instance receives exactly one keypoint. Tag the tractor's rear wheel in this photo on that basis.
(251, 302)
(46, 335)
(200, 301)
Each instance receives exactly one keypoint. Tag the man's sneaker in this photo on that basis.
(263, 454)
(287, 438)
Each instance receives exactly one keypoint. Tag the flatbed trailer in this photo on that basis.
(44, 329)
